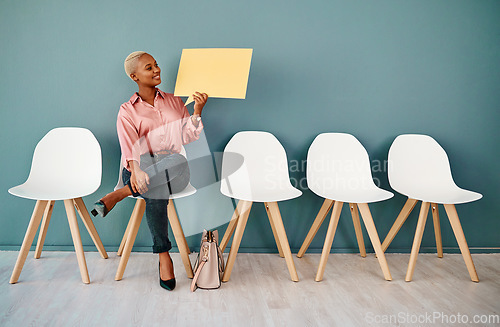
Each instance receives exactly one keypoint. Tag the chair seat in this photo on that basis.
(36, 191)
(264, 195)
(443, 194)
(358, 195)
(189, 190)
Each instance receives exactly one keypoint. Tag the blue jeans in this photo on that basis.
(167, 174)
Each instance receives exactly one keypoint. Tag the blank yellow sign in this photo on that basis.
(220, 73)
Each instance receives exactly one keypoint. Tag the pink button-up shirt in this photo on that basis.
(166, 126)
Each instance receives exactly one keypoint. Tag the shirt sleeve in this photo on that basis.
(190, 132)
(128, 137)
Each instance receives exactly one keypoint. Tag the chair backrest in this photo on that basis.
(338, 161)
(416, 163)
(67, 158)
(254, 163)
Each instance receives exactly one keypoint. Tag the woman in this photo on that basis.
(152, 127)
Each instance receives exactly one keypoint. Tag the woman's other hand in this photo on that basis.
(139, 180)
(199, 102)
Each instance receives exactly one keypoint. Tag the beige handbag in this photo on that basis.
(209, 266)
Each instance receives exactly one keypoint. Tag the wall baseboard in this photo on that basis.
(91, 248)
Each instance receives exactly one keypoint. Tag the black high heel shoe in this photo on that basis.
(100, 209)
(169, 285)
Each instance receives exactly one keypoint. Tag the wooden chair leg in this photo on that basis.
(180, 239)
(422, 218)
(273, 228)
(357, 229)
(437, 229)
(43, 229)
(77, 241)
(136, 219)
(451, 211)
(246, 206)
(320, 217)
(403, 215)
(282, 238)
(87, 221)
(35, 220)
(124, 238)
(330, 234)
(372, 233)
(137, 207)
(231, 226)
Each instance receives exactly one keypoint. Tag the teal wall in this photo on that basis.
(375, 69)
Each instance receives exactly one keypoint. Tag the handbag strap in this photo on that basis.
(203, 260)
(195, 278)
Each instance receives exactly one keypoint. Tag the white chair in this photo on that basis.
(135, 221)
(66, 166)
(338, 169)
(255, 169)
(419, 169)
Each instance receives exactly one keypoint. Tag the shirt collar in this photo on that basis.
(135, 97)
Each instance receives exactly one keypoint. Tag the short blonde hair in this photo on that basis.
(131, 62)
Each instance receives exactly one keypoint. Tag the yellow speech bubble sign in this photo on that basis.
(220, 73)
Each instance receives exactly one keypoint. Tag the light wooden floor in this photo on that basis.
(260, 293)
